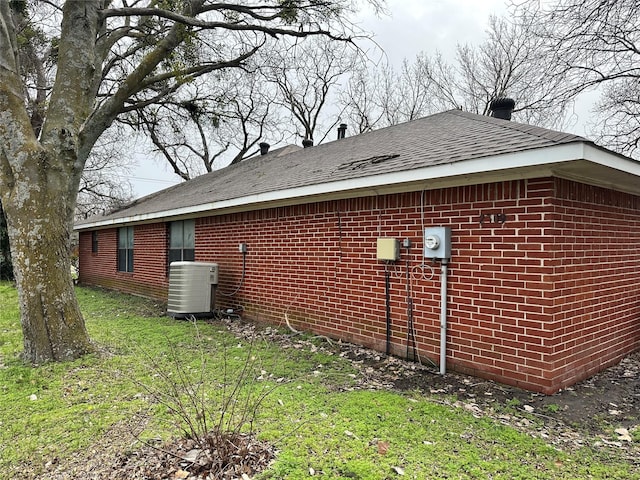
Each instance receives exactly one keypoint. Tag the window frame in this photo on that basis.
(94, 241)
(126, 242)
(181, 241)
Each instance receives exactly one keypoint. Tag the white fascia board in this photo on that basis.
(611, 160)
(463, 172)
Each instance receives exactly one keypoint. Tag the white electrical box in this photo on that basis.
(437, 242)
(388, 249)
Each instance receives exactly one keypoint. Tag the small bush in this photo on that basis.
(219, 422)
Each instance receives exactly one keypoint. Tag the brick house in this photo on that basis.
(542, 287)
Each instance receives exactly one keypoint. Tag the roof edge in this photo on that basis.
(542, 160)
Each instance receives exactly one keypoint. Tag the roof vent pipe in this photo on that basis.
(502, 107)
(307, 143)
(342, 130)
(264, 148)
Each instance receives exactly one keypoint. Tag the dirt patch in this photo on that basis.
(609, 398)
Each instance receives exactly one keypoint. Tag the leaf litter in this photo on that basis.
(600, 412)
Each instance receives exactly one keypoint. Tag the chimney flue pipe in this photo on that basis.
(502, 107)
(342, 130)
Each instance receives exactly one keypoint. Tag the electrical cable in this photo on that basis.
(388, 306)
(396, 271)
(339, 231)
(411, 323)
(423, 275)
(423, 265)
(379, 215)
(411, 337)
(422, 212)
(244, 269)
(231, 313)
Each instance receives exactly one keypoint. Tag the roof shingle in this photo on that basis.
(447, 137)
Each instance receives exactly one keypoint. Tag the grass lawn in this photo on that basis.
(317, 422)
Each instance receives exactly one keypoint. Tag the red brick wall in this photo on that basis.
(596, 261)
(149, 276)
(527, 293)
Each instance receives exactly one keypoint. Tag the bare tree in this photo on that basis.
(407, 95)
(595, 44)
(209, 123)
(510, 62)
(305, 74)
(617, 123)
(104, 185)
(109, 58)
(379, 96)
(101, 179)
(359, 99)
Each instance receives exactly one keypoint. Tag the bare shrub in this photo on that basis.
(214, 406)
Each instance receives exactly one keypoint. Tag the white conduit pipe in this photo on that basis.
(443, 317)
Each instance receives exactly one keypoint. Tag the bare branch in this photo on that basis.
(593, 44)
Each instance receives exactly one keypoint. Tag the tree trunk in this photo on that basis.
(39, 225)
(39, 178)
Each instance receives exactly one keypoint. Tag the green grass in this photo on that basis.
(312, 416)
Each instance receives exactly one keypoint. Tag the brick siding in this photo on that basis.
(541, 289)
(149, 276)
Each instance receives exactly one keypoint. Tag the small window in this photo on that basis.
(94, 241)
(125, 249)
(182, 241)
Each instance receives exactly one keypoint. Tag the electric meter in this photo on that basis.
(432, 242)
(437, 242)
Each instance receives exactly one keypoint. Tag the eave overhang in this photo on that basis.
(580, 161)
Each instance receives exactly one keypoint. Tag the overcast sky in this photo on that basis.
(411, 27)
(430, 25)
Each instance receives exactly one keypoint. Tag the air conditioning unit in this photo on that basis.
(192, 289)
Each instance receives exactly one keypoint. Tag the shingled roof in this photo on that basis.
(448, 138)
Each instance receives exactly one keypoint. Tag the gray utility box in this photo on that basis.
(192, 289)
(437, 242)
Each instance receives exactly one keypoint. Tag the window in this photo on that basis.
(94, 241)
(125, 249)
(182, 241)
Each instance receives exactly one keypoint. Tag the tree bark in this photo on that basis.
(39, 231)
(39, 184)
